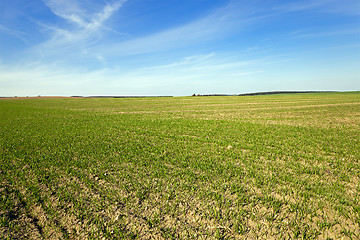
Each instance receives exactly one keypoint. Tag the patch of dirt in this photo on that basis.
(18, 222)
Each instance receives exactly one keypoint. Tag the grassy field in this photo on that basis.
(257, 167)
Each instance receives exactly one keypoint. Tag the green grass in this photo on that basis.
(276, 166)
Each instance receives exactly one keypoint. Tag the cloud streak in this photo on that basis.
(351, 7)
(219, 24)
(13, 32)
(87, 24)
(326, 34)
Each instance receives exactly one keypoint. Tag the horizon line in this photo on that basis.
(193, 95)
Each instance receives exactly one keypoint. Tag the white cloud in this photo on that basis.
(87, 22)
(69, 43)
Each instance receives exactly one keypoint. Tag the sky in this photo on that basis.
(177, 47)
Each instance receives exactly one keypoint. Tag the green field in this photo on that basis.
(268, 167)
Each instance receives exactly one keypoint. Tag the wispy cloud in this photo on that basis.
(206, 64)
(301, 5)
(78, 13)
(13, 32)
(219, 24)
(87, 24)
(335, 6)
(331, 33)
(84, 24)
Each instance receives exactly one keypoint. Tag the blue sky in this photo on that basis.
(177, 47)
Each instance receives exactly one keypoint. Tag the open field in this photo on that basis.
(267, 167)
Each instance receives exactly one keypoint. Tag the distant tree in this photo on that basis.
(193, 95)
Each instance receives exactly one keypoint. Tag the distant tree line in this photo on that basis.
(260, 93)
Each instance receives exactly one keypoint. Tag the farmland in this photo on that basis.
(259, 167)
